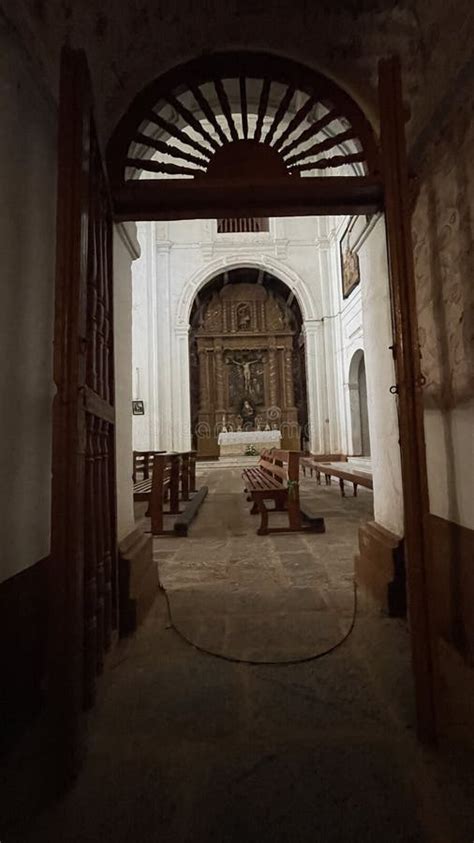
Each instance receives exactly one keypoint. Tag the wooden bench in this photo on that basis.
(143, 464)
(348, 474)
(173, 479)
(276, 477)
(187, 474)
(164, 494)
(310, 463)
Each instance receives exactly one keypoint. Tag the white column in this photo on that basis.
(315, 389)
(163, 379)
(338, 344)
(330, 310)
(181, 390)
(126, 250)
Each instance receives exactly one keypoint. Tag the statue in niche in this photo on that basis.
(243, 317)
(247, 412)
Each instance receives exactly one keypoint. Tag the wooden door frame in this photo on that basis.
(80, 588)
(162, 200)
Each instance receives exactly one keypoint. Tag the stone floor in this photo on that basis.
(188, 748)
(268, 598)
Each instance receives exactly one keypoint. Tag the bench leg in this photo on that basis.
(281, 501)
(318, 477)
(254, 510)
(355, 490)
(328, 479)
(263, 529)
(341, 485)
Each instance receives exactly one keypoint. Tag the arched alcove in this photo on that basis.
(357, 383)
(247, 366)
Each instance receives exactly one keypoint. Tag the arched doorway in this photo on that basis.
(359, 407)
(247, 370)
(375, 178)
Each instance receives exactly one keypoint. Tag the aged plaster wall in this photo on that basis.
(27, 247)
(443, 233)
(126, 250)
(177, 259)
(444, 267)
(131, 45)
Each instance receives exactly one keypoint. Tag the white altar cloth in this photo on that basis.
(235, 443)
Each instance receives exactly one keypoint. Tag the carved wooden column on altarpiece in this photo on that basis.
(206, 442)
(204, 404)
(290, 432)
(272, 375)
(219, 382)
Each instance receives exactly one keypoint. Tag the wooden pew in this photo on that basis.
(164, 494)
(310, 463)
(346, 474)
(187, 474)
(172, 478)
(143, 464)
(276, 477)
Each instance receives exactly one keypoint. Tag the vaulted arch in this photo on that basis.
(214, 268)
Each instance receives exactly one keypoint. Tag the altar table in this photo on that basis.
(235, 443)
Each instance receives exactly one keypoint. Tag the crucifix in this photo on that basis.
(245, 369)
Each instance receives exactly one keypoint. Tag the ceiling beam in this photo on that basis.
(166, 199)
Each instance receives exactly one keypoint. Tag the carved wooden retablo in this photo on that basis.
(244, 345)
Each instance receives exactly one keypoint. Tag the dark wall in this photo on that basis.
(23, 639)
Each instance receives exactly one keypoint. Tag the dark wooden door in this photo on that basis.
(409, 384)
(83, 610)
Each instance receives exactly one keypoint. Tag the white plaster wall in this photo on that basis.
(27, 249)
(449, 440)
(126, 249)
(349, 328)
(380, 371)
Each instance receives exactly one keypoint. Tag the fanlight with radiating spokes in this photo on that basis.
(236, 115)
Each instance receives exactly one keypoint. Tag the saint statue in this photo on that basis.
(248, 415)
(243, 317)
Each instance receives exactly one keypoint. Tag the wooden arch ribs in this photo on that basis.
(219, 124)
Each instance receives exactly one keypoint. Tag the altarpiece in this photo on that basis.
(244, 344)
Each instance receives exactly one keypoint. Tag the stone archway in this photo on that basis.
(243, 260)
(246, 345)
(357, 384)
(310, 317)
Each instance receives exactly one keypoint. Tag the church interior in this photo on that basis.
(236, 578)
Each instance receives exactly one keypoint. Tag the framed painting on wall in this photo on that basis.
(138, 408)
(350, 269)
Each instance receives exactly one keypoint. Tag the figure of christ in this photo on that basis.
(245, 369)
